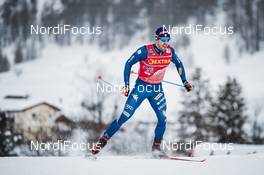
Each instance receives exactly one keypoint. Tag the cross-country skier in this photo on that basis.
(153, 61)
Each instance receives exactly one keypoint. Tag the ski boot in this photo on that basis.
(99, 145)
(156, 150)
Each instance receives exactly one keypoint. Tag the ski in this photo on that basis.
(162, 155)
(184, 159)
(187, 159)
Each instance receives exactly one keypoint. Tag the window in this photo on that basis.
(34, 115)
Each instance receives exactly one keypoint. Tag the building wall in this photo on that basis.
(35, 123)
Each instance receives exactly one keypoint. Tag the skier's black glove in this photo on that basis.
(125, 90)
(188, 86)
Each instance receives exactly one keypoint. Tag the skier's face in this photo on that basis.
(162, 45)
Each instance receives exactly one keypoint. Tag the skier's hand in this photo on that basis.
(125, 90)
(188, 86)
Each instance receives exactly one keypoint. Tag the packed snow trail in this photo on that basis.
(129, 165)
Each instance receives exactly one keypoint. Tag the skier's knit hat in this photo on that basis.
(162, 32)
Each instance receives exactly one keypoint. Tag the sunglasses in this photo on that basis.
(164, 39)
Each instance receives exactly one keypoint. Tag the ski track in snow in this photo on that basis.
(108, 165)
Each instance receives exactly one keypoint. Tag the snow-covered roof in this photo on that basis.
(16, 105)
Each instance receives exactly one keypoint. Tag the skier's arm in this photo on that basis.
(179, 66)
(139, 55)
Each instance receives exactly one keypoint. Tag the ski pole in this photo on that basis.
(165, 81)
(107, 82)
(101, 78)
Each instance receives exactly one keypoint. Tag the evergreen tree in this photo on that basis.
(8, 138)
(257, 136)
(17, 17)
(247, 17)
(18, 54)
(257, 132)
(227, 114)
(4, 63)
(193, 118)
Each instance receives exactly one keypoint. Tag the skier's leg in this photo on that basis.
(158, 103)
(134, 100)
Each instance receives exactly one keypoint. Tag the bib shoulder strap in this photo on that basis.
(149, 47)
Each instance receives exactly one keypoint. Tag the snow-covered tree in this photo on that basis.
(18, 54)
(247, 17)
(257, 136)
(227, 114)
(4, 64)
(193, 117)
(8, 138)
(257, 132)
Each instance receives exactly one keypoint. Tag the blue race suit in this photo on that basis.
(142, 90)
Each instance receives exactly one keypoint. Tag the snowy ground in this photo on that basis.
(242, 165)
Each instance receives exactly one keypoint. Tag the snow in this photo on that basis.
(49, 78)
(246, 68)
(2, 2)
(205, 149)
(21, 104)
(129, 165)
